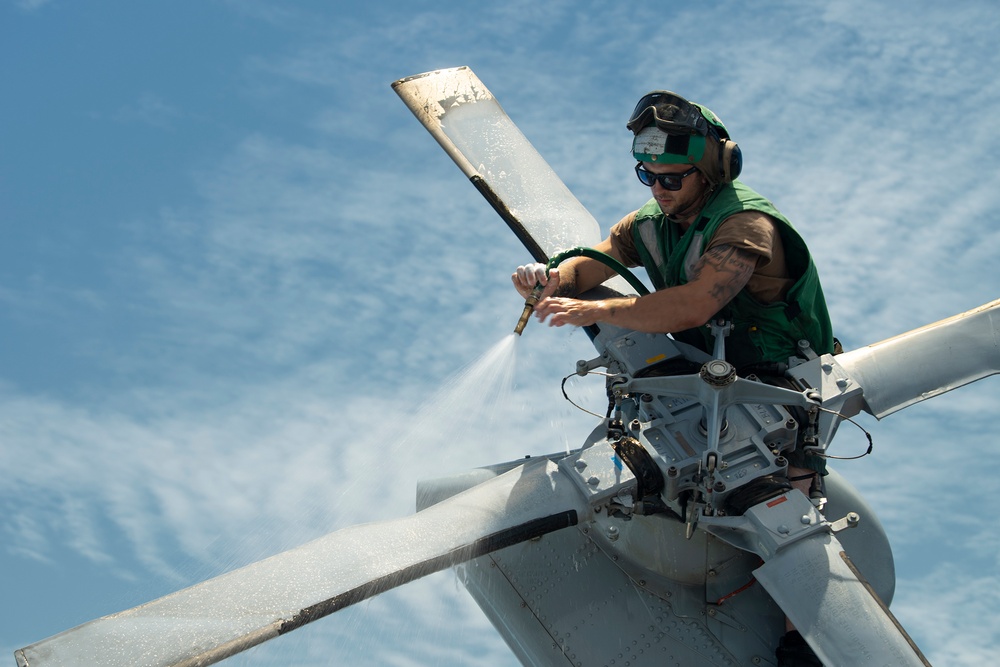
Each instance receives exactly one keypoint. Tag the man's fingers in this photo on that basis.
(560, 311)
(550, 306)
(551, 284)
(530, 275)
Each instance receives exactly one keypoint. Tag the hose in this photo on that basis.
(580, 251)
(603, 258)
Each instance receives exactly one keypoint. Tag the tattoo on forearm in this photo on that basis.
(733, 267)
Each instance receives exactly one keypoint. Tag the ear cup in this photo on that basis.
(730, 160)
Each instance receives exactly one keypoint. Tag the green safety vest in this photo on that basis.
(761, 332)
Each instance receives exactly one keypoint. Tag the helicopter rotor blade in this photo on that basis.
(223, 616)
(474, 130)
(928, 361)
(838, 614)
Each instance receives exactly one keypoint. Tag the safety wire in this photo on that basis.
(577, 405)
(871, 443)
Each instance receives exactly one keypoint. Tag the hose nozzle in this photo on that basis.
(529, 305)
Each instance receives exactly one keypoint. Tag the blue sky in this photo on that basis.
(233, 268)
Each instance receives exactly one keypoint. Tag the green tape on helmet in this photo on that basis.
(652, 144)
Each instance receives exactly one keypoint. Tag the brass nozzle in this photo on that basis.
(529, 305)
(523, 321)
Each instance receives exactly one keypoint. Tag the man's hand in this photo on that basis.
(526, 277)
(563, 311)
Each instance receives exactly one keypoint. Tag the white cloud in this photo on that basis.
(31, 5)
(149, 109)
(951, 609)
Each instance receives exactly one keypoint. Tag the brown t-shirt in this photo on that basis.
(752, 231)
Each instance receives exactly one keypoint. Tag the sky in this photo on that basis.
(240, 284)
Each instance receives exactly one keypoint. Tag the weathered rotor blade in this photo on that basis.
(474, 130)
(233, 612)
(821, 592)
(927, 362)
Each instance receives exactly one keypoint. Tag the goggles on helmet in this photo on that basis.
(669, 112)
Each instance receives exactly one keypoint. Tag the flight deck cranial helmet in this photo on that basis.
(670, 130)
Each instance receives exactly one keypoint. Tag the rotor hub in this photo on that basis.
(718, 373)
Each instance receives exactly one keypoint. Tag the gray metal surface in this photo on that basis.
(843, 622)
(928, 361)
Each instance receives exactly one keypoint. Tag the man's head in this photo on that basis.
(670, 130)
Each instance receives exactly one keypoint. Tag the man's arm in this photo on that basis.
(718, 276)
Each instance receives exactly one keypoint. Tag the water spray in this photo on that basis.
(581, 251)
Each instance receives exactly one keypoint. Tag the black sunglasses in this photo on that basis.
(667, 181)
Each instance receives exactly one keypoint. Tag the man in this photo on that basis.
(714, 249)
